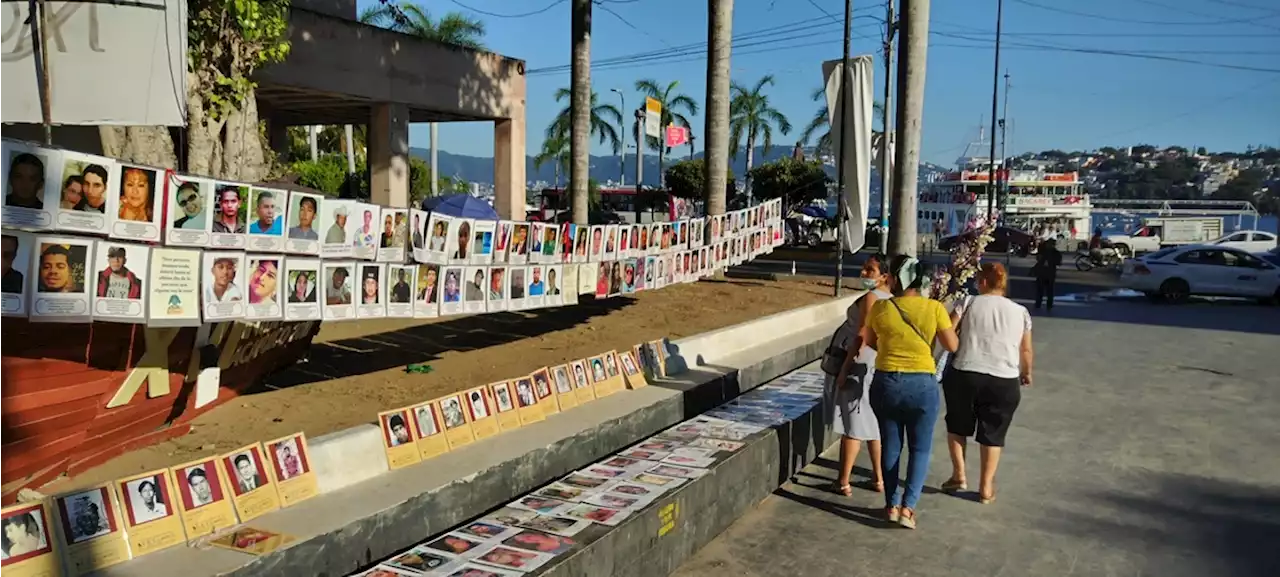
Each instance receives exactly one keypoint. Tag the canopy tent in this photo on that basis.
(460, 206)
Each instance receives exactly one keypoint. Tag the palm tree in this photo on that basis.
(715, 144)
(751, 114)
(604, 121)
(675, 106)
(555, 149)
(453, 28)
(579, 120)
(820, 124)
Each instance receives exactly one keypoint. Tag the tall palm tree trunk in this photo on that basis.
(349, 141)
(435, 161)
(751, 158)
(716, 149)
(580, 101)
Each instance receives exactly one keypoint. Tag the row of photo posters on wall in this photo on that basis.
(88, 529)
(428, 429)
(55, 190)
(79, 279)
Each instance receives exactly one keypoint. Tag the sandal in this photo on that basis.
(952, 486)
(894, 514)
(907, 518)
(846, 489)
(878, 486)
(987, 499)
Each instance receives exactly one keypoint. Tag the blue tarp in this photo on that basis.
(460, 206)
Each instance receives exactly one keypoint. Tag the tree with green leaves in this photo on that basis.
(794, 181)
(605, 119)
(677, 107)
(685, 179)
(820, 126)
(409, 18)
(555, 149)
(753, 116)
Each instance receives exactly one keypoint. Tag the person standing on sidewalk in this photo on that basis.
(851, 380)
(904, 392)
(983, 386)
(1048, 259)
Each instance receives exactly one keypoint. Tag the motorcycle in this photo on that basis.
(1087, 260)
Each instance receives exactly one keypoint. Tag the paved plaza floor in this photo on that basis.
(1149, 445)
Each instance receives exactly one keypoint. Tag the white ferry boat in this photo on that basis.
(1038, 202)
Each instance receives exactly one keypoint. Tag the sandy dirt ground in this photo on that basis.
(356, 369)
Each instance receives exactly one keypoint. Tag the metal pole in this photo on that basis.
(1004, 141)
(885, 141)
(622, 169)
(913, 51)
(844, 145)
(639, 160)
(435, 159)
(995, 99)
(40, 56)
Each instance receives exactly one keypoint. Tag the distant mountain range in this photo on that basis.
(480, 168)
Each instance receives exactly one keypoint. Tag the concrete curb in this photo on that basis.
(367, 513)
(703, 508)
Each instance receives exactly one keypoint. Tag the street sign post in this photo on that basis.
(653, 118)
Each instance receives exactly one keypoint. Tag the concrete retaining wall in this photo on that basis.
(367, 512)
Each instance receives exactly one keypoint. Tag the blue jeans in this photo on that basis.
(907, 405)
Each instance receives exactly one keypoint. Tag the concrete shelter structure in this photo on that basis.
(340, 71)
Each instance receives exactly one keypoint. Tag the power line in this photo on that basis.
(1132, 21)
(521, 15)
(1248, 6)
(1252, 22)
(629, 24)
(1120, 34)
(805, 27)
(1150, 55)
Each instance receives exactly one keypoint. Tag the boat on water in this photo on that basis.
(1033, 200)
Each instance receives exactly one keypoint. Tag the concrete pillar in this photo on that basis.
(277, 138)
(389, 154)
(508, 167)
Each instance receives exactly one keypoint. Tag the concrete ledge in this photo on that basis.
(365, 516)
(705, 506)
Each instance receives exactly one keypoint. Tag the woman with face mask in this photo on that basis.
(856, 420)
(904, 391)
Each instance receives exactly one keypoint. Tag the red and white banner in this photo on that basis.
(677, 135)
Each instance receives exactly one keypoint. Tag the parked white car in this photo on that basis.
(1174, 274)
(1248, 240)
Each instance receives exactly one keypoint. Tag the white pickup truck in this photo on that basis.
(1156, 233)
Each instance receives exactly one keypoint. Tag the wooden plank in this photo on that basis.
(37, 479)
(23, 427)
(100, 449)
(27, 457)
(16, 404)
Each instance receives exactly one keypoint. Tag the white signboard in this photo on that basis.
(109, 63)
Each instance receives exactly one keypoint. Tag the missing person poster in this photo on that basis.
(87, 208)
(174, 281)
(189, 210)
(17, 268)
(64, 285)
(136, 203)
(121, 289)
(302, 281)
(266, 219)
(304, 210)
(32, 185)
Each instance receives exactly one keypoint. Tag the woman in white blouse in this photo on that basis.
(983, 385)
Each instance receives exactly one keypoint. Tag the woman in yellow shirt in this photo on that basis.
(904, 392)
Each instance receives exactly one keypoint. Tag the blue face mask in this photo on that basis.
(867, 284)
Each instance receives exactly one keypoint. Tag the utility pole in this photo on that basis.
(913, 48)
(1004, 158)
(640, 114)
(716, 149)
(435, 159)
(995, 96)
(886, 140)
(841, 217)
(622, 170)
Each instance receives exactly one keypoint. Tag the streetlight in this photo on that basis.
(622, 155)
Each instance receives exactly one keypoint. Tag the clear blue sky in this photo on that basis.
(1060, 99)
